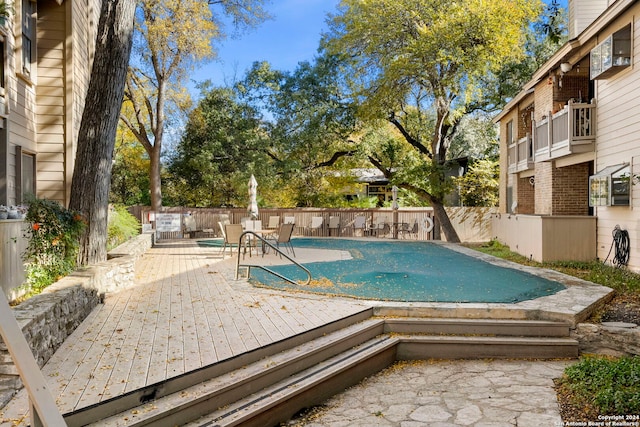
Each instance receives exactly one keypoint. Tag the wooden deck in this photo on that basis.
(186, 311)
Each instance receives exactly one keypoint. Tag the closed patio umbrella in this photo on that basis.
(252, 209)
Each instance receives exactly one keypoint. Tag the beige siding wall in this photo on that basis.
(582, 13)
(85, 16)
(45, 110)
(50, 101)
(66, 40)
(618, 141)
(20, 96)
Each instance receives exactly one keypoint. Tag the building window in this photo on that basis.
(28, 36)
(510, 132)
(25, 175)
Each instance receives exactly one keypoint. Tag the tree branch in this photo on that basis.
(336, 156)
(411, 140)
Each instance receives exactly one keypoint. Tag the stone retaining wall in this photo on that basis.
(49, 318)
(608, 338)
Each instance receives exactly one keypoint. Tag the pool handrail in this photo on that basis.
(268, 270)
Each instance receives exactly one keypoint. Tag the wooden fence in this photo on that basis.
(206, 220)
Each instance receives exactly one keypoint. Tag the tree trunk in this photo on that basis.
(96, 136)
(443, 221)
(155, 183)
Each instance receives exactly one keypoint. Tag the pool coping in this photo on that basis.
(571, 305)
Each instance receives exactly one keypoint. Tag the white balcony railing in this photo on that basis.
(521, 155)
(569, 131)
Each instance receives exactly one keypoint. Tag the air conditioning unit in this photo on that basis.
(611, 186)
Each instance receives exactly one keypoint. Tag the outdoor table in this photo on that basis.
(262, 233)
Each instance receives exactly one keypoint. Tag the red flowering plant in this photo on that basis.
(54, 239)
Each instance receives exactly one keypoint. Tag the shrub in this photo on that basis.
(122, 226)
(610, 386)
(53, 243)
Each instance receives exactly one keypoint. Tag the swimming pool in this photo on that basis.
(410, 272)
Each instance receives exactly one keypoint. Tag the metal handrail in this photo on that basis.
(268, 270)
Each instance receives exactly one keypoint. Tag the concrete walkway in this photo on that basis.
(187, 311)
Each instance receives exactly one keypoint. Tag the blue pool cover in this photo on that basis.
(409, 271)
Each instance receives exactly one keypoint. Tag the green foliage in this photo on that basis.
(223, 144)
(610, 386)
(5, 10)
(313, 118)
(623, 281)
(499, 250)
(130, 172)
(53, 243)
(122, 226)
(480, 185)
(541, 40)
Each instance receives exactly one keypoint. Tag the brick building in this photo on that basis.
(570, 148)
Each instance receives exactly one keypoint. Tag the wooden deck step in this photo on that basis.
(194, 393)
(481, 347)
(273, 388)
(489, 327)
(310, 387)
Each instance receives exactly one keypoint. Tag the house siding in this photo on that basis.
(582, 13)
(44, 110)
(50, 101)
(561, 176)
(618, 141)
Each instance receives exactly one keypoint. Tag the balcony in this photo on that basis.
(569, 131)
(521, 155)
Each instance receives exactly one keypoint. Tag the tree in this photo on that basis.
(173, 37)
(412, 57)
(223, 143)
(312, 123)
(130, 174)
(479, 186)
(96, 136)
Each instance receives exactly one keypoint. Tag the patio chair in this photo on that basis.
(221, 225)
(231, 234)
(283, 238)
(380, 228)
(334, 224)
(190, 226)
(289, 219)
(317, 222)
(405, 229)
(274, 222)
(360, 223)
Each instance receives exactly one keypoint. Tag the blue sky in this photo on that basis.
(291, 36)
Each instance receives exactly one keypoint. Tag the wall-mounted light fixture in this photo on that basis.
(565, 67)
